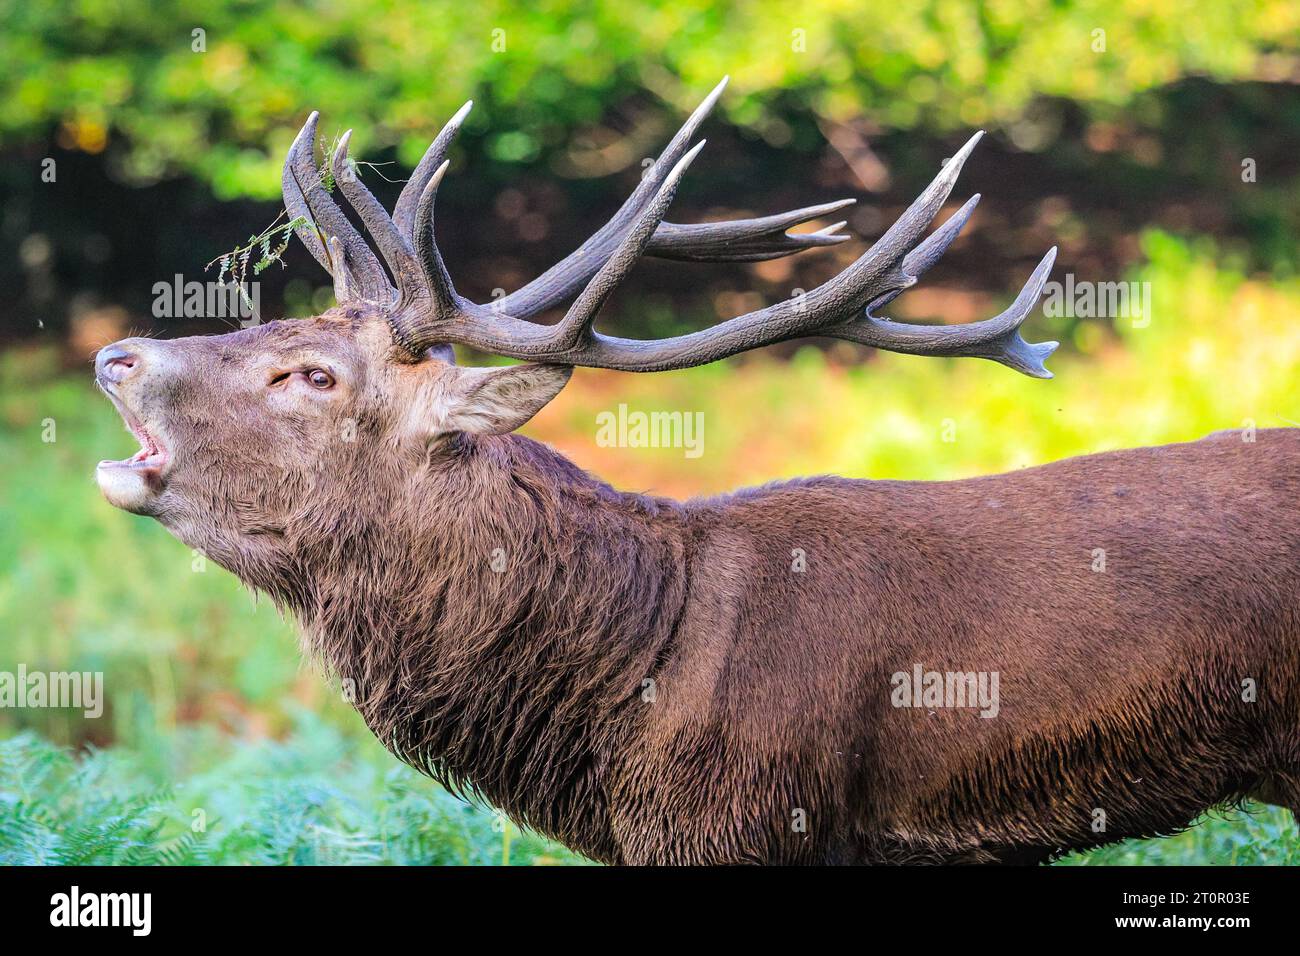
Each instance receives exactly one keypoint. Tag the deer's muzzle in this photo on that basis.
(129, 483)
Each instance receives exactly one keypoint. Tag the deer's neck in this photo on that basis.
(500, 633)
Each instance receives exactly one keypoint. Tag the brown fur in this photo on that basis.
(500, 613)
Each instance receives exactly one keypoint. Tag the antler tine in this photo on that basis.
(295, 204)
(881, 269)
(396, 251)
(577, 322)
(997, 338)
(356, 271)
(404, 212)
(436, 277)
(916, 262)
(570, 274)
(746, 240)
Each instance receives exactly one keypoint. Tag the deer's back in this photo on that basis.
(1126, 603)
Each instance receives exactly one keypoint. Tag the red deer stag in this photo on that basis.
(816, 671)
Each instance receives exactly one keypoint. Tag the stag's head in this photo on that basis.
(307, 421)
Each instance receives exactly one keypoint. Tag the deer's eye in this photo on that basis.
(320, 378)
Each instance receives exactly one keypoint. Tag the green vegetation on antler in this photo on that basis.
(236, 262)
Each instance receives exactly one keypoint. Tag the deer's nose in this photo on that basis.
(116, 364)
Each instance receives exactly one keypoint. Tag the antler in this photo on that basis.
(425, 309)
(358, 276)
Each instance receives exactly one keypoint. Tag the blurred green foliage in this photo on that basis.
(99, 70)
(209, 707)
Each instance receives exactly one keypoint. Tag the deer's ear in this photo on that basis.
(493, 401)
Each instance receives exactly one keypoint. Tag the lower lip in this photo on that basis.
(132, 485)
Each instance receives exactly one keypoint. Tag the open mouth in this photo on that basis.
(152, 457)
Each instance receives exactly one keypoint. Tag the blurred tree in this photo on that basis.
(218, 87)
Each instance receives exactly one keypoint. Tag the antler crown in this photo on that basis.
(424, 308)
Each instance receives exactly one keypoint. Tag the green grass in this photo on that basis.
(1254, 836)
(200, 797)
(319, 797)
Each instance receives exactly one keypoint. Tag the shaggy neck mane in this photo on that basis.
(533, 602)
